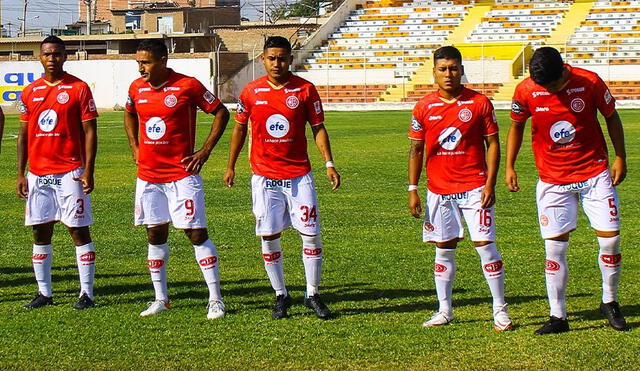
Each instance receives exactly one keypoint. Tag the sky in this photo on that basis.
(54, 13)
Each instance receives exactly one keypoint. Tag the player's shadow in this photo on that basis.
(59, 274)
(594, 314)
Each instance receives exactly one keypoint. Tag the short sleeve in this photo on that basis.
(203, 98)
(519, 107)
(130, 106)
(87, 104)
(604, 100)
(489, 119)
(416, 128)
(22, 106)
(315, 113)
(243, 108)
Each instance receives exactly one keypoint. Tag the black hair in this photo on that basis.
(447, 52)
(53, 40)
(277, 42)
(156, 47)
(546, 65)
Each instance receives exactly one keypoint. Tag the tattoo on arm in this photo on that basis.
(416, 148)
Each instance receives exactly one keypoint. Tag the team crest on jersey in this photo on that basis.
(129, 101)
(415, 124)
(465, 115)
(577, 105)
(450, 138)
(92, 105)
(155, 128)
(170, 100)
(428, 227)
(607, 96)
(317, 106)
(562, 132)
(48, 120)
(292, 102)
(516, 107)
(63, 97)
(21, 107)
(277, 125)
(209, 97)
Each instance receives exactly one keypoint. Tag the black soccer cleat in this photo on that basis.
(314, 302)
(555, 325)
(613, 314)
(39, 301)
(84, 302)
(280, 308)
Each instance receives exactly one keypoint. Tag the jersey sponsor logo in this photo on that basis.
(240, 107)
(415, 124)
(465, 114)
(536, 94)
(550, 265)
(607, 96)
(88, 256)
(292, 102)
(64, 87)
(562, 132)
(575, 90)
(574, 186)
(439, 104)
(611, 259)
(428, 227)
(277, 183)
(170, 88)
(577, 105)
(261, 102)
(542, 109)
(208, 261)
(140, 101)
(48, 181)
(22, 108)
(544, 220)
(455, 196)
(140, 90)
(463, 102)
(312, 251)
(439, 268)
(434, 118)
(294, 90)
(63, 97)
(450, 138)
(209, 97)
(277, 125)
(40, 87)
(317, 106)
(155, 128)
(516, 107)
(48, 120)
(170, 100)
(39, 256)
(272, 257)
(260, 90)
(155, 263)
(493, 267)
(37, 99)
(92, 105)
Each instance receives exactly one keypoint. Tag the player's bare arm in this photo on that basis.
(237, 141)
(91, 148)
(131, 128)
(616, 133)
(416, 155)
(21, 184)
(1, 127)
(197, 160)
(321, 137)
(514, 142)
(488, 196)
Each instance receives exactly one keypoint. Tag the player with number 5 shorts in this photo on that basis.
(451, 127)
(160, 121)
(58, 138)
(278, 106)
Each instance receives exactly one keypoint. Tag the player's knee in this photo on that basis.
(609, 245)
(42, 234)
(158, 235)
(80, 235)
(197, 236)
(451, 244)
(271, 237)
(311, 246)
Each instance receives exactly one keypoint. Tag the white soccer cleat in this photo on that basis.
(501, 320)
(439, 319)
(156, 307)
(216, 309)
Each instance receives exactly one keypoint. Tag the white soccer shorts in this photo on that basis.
(558, 205)
(281, 203)
(57, 197)
(444, 213)
(180, 202)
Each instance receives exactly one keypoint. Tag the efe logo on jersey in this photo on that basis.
(562, 132)
(450, 138)
(48, 120)
(277, 125)
(155, 128)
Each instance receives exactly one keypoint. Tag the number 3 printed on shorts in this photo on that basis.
(308, 213)
(484, 217)
(613, 207)
(189, 205)
(80, 209)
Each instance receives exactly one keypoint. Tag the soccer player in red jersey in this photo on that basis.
(58, 139)
(278, 106)
(572, 161)
(160, 121)
(451, 128)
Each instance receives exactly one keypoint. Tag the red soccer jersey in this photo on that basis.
(54, 116)
(167, 124)
(568, 144)
(278, 125)
(453, 132)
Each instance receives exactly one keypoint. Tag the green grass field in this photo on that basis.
(377, 278)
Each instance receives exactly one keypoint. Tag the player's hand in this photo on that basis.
(228, 178)
(134, 153)
(618, 170)
(87, 182)
(511, 179)
(22, 188)
(487, 197)
(333, 177)
(195, 161)
(415, 206)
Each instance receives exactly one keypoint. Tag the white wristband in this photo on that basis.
(328, 164)
(412, 187)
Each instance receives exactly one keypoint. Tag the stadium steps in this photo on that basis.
(505, 93)
(578, 12)
(470, 21)
(397, 92)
